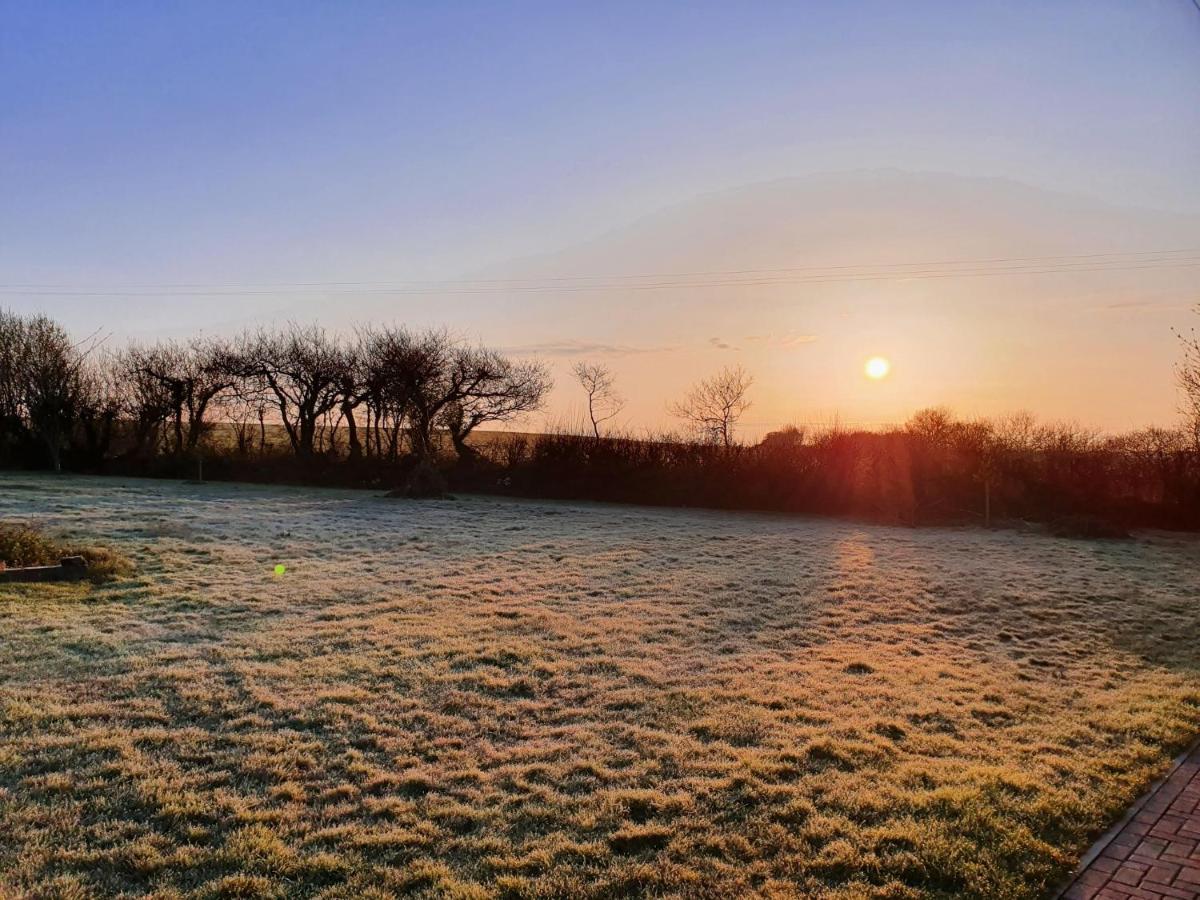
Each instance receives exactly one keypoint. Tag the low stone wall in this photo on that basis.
(71, 568)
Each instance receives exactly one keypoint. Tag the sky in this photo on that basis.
(173, 167)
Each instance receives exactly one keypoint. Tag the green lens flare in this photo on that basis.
(280, 569)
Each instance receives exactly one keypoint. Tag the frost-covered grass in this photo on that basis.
(493, 698)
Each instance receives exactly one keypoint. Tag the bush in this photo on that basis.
(22, 546)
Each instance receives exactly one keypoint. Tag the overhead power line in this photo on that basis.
(1082, 258)
(1115, 261)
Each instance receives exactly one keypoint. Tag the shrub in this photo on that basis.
(21, 545)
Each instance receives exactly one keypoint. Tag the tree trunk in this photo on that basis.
(354, 451)
(196, 424)
(106, 432)
(466, 453)
(55, 451)
(308, 431)
(592, 415)
(394, 441)
(422, 438)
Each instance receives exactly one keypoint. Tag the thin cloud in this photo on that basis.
(571, 348)
(581, 348)
(790, 339)
(1147, 304)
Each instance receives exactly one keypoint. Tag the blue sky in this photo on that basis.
(265, 142)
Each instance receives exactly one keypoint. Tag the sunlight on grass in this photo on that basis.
(487, 698)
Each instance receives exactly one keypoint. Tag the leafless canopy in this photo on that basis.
(603, 401)
(1188, 373)
(180, 383)
(41, 381)
(714, 406)
(418, 383)
(12, 354)
(302, 368)
(485, 386)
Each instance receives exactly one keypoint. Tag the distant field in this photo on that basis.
(494, 698)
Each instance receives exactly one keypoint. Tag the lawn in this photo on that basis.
(496, 698)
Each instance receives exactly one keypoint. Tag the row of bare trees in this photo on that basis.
(390, 393)
(711, 409)
(386, 391)
(383, 393)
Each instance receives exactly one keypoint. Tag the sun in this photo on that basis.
(877, 367)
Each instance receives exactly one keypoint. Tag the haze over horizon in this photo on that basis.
(999, 200)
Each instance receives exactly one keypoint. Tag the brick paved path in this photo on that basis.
(1154, 855)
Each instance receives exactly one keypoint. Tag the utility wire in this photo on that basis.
(1112, 261)
(692, 283)
(1067, 259)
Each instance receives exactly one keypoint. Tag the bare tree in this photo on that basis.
(246, 407)
(1017, 431)
(303, 369)
(354, 390)
(100, 405)
(188, 378)
(936, 424)
(162, 366)
(603, 401)
(51, 384)
(12, 395)
(211, 375)
(1188, 373)
(714, 406)
(405, 381)
(485, 386)
(422, 382)
(144, 397)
